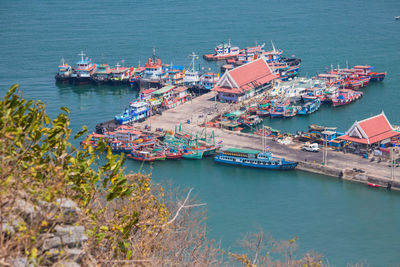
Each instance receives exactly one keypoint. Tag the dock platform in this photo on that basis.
(340, 165)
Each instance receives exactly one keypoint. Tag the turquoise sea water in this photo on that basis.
(347, 222)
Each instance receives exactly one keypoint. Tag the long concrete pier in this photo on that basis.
(340, 165)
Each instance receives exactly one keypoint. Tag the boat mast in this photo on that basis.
(82, 55)
(193, 55)
(273, 46)
(392, 165)
(154, 55)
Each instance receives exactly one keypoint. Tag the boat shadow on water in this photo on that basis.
(98, 89)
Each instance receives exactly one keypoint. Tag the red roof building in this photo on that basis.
(374, 130)
(245, 81)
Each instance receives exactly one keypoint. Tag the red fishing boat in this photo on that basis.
(223, 51)
(345, 96)
(355, 82)
(141, 156)
(173, 154)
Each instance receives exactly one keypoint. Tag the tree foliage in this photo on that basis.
(125, 215)
(128, 219)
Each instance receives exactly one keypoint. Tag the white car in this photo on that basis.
(310, 147)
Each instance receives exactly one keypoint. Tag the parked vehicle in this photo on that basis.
(310, 147)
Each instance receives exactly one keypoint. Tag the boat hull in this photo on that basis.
(377, 77)
(275, 115)
(62, 79)
(81, 80)
(193, 155)
(174, 156)
(288, 165)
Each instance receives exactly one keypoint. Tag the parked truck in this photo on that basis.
(310, 147)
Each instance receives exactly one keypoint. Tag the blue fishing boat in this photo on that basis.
(253, 158)
(135, 112)
(278, 109)
(309, 107)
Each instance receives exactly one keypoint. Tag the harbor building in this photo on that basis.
(245, 81)
(373, 132)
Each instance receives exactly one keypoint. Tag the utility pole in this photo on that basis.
(205, 128)
(392, 160)
(326, 150)
(323, 152)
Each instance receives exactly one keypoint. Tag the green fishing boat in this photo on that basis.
(192, 155)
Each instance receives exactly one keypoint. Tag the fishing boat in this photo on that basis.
(290, 112)
(174, 75)
(135, 112)
(345, 96)
(101, 75)
(192, 154)
(208, 150)
(93, 139)
(377, 76)
(209, 80)
(367, 71)
(309, 107)
(355, 82)
(192, 76)
(252, 120)
(263, 109)
(139, 155)
(253, 158)
(119, 74)
(223, 51)
(84, 70)
(313, 93)
(64, 72)
(118, 146)
(278, 109)
(154, 73)
(135, 75)
(173, 154)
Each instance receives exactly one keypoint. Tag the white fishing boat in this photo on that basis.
(192, 76)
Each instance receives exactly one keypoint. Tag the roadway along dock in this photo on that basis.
(340, 164)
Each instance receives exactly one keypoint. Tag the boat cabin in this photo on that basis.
(164, 93)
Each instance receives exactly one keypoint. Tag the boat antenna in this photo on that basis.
(347, 64)
(154, 55)
(62, 61)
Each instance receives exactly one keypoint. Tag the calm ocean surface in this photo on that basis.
(346, 222)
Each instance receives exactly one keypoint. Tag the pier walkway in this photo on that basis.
(204, 108)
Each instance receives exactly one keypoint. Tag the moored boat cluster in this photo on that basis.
(149, 147)
(264, 77)
(153, 74)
